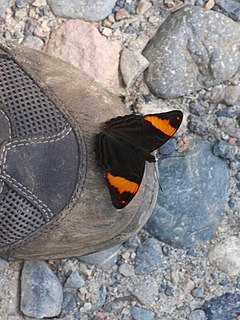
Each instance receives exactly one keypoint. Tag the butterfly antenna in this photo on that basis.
(158, 179)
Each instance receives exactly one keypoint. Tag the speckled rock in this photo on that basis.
(41, 291)
(193, 49)
(92, 10)
(224, 307)
(226, 256)
(191, 205)
(86, 51)
(197, 315)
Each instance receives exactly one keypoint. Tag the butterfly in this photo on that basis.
(125, 143)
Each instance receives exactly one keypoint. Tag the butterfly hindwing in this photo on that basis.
(126, 143)
(123, 169)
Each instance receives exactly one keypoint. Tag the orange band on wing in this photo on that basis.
(122, 184)
(161, 124)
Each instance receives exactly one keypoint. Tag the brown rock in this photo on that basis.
(80, 43)
(122, 14)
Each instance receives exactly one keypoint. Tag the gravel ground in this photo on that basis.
(186, 279)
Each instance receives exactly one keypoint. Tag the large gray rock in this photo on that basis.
(41, 291)
(231, 7)
(193, 49)
(91, 10)
(191, 205)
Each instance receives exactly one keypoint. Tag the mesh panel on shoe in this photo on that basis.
(29, 109)
(18, 217)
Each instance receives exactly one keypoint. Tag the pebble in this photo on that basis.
(41, 291)
(104, 259)
(69, 301)
(209, 5)
(91, 10)
(196, 108)
(134, 242)
(226, 256)
(204, 63)
(21, 3)
(126, 270)
(74, 281)
(224, 150)
(143, 6)
(33, 43)
(101, 300)
(231, 7)
(142, 314)
(169, 291)
(39, 3)
(149, 257)
(198, 292)
(107, 32)
(4, 264)
(132, 65)
(122, 14)
(224, 307)
(194, 210)
(197, 315)
(146, 292)
(3, 7)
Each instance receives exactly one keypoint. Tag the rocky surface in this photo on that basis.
(201, 282)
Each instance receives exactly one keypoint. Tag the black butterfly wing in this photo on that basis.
(123, 168)
(159, 128)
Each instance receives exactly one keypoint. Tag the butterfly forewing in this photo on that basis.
(159, 128)
(126, 143)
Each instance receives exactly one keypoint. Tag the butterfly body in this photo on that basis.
(123, 146)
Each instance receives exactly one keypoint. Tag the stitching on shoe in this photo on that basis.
(23, 142)
(26, 192)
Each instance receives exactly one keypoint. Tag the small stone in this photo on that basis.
(126, 270)
(117, 24)
(4, 4)
(4, 264)
(231, 93)
(169, 291)
(142, 314)
(143, 6)
(149, 257)
(134, 241)
(30, 26)
(231, 7)
(21, 13)
(125, 255)
(187, 285)
(41, 291)
(132, 65)
(107, 32)
(224, 150)
(226, 256)
(209, 5)
(90, 10)
(146, 292)
(198, 293)
(166, 250)
(224, 307)
(21, 4)
(104, 259)
(39, 3)
(33, 43)
(69, 301)
(74, 281)
(197, 315)
(195, 107)
(122, 14)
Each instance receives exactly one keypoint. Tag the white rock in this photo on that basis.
(132, 64)
(226, 256)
